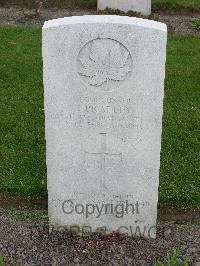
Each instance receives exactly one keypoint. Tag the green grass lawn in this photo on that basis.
(22, 144)
(22, 150)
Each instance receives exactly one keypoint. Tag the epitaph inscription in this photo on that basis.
(103, 63)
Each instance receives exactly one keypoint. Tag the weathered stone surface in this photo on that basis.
(104, 88)
(142, 6)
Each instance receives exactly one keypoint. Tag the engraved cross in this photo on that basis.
(103, 154)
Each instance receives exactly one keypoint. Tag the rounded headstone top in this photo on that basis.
(105, 19)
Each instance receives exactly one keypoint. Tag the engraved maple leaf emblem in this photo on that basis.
(103, 64)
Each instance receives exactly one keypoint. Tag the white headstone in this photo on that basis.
(104, 88)
(142, 6)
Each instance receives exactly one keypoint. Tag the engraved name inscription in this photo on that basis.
(107, 113)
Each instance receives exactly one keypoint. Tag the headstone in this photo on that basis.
(141, 6)
(104, 89)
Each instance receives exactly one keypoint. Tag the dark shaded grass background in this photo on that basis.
(22, 144)
(93, 3)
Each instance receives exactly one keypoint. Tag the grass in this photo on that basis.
(23, 213)
(177, 4)
(1, 260)
(174, 259)
(196, 23)
(22, 152)
(7, 261)
(22, 144)
(180, 158)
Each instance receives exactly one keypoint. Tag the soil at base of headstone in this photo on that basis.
(165, 211)
(177, 22)
(25, 240)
